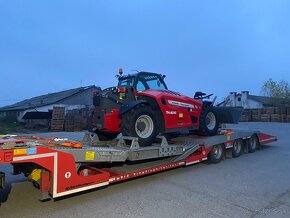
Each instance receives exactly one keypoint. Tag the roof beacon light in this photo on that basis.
(120, 71)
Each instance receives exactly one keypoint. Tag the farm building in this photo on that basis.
(40, 107)
(247, 101)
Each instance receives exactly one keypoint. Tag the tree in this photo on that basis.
(275, 89)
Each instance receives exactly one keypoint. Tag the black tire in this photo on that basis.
(253, 144)
(208, 122)
(148, 128)
(217, 153)
(237, 148)
(106, 136)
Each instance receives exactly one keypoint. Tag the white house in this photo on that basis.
(247, 101)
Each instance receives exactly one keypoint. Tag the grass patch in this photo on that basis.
(10, 127)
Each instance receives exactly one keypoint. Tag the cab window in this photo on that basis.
(151, 82)
(126, 82)
(140, 86)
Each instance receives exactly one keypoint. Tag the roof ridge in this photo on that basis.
(39, 100)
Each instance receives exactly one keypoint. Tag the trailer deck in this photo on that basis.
(61, 167)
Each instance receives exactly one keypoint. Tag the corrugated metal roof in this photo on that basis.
(43, 100)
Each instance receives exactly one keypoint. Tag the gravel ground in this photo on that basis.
(253, 185)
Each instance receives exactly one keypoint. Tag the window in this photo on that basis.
(152, 82)
(140, 86)
(156, 84)
(126, 82)
(239, 98)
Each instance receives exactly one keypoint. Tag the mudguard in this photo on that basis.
(128, 106)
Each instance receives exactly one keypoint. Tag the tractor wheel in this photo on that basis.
(208, 122)
(140, 122)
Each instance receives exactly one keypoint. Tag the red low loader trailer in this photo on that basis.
(59, 167)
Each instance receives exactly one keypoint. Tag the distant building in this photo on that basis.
(40, 107)
(247, 101)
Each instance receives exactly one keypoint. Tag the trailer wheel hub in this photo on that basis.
(217, 151)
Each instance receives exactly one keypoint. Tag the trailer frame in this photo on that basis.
(65, 170)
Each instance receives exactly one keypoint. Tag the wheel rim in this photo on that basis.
(217, 151)
(237, 147)
(144, 126)
(210, 120)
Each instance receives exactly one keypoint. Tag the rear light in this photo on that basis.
(120, 71)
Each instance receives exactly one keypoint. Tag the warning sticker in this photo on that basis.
(90, 155)
(20, 151)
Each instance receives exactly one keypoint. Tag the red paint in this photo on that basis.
(112, 121)
(45, 181)
(266, 138)
(173, 121)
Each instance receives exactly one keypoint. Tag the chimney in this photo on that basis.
(246, 92)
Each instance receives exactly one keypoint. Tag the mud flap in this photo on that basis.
(2, 180)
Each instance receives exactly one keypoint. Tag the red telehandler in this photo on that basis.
(142, 106)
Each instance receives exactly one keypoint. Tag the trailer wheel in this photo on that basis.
(208, 122)
(217, 153)
(140, 122)
(253, 143)
(237, 148)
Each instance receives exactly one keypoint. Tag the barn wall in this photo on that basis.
(48, 108)
(83, 98)
(242, 100)
(77, 101)
(251, 104)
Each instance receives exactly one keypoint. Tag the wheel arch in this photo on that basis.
(130, 105)
(155, 107)
(146, 100)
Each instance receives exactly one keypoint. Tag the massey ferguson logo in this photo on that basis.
(171, 112)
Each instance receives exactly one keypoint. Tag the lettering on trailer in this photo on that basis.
(78, 186)
(182, 104)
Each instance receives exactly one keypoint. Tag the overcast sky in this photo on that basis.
(215, 46)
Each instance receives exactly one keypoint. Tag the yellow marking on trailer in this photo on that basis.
(90, 155)
(228, 137)
(20, 151)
